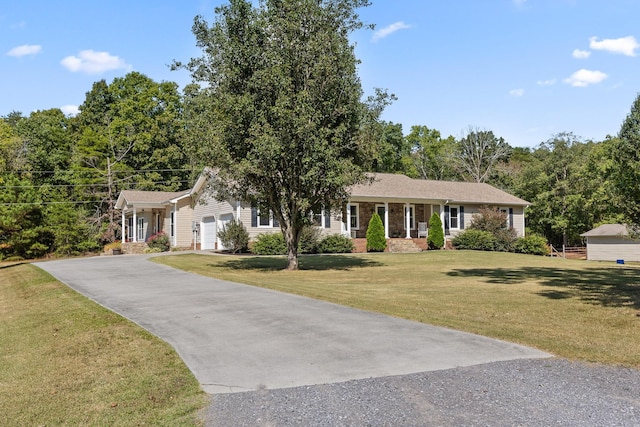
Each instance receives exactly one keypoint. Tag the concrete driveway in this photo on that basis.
(238, 338)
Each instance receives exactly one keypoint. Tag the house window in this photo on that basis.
(454, 217)
(262, 217)
(140, 228)
(158, 223)
(412, 217)
(354, 212)
(322, 220)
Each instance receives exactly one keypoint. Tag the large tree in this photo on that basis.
(283, 106)
(625, 171)
(431, 154)
(478, 153)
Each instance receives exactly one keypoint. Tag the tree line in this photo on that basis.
(60, 176)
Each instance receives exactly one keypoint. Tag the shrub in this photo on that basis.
(269, 244)
(376, 242)
(335, 244)
(489, 219)
(152, 250)
(234, 236)
(113, 245)
(435, 238)
(159, 241)
(505, 239)
(532, 244)
(309, 240)
(477, 240)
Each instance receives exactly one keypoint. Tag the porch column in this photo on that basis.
(386, 220)
(348, 224)
(238, 210)
(407, 219)
(444, 233)
(135, 225)
(124, 236)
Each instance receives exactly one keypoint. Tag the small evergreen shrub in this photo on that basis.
(159, 241)
(472, 239)
(532, 244)
(309, 240)
(269, 244)
(234, 236)
(505, 240)
(336, 244)
(435, 238)
(376, 242)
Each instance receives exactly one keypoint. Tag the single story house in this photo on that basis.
(192, 218)
(611, 242)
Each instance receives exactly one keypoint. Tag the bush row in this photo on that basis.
(502, 241)
(311, 242)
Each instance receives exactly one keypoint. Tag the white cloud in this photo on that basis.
(387, 31)
(92, 62)
(583, 78)
(70, 110)
(581, 54)
(549, 82)
(25, 49)
(624, 45)
(516, 92)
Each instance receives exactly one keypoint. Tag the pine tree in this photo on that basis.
(435, 240)
(376, 242)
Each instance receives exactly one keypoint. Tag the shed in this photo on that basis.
(611, 242)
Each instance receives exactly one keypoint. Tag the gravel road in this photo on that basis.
(536, 392)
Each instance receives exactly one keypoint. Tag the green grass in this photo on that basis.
(574, 309)
(64, 360)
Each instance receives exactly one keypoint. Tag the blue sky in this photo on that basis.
(525, 69)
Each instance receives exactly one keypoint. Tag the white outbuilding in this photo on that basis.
(611, 242)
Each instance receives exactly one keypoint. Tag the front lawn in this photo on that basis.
(574, 309)
(64, 360)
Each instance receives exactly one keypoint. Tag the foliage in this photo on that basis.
(532, 244)
(494, 221)
(392, 149)
(625, 168)
(117, 245)
(376, 242)
(431, 155)
(475, 239)
(280, 105)
(269, 244)
(435, 238)
(234, 236)
(335, 244)
(309, 240)
(159, 241)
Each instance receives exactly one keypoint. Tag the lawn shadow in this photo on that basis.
(610, 287)
(310, 262)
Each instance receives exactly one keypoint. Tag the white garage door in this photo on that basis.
(224, 219)
(208, 230)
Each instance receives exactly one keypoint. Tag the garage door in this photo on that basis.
(224, 220)
(208, 230)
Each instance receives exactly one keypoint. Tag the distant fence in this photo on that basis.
(571, 252)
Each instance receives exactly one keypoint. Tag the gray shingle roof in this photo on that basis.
(398, 186)
(607, 230)
(154, 197)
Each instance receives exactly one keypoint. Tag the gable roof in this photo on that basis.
(397, 186)
(148, 198)
(607, 230)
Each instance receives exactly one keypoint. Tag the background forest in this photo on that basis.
(60, 176)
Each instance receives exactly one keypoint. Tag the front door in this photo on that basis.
(380, 211)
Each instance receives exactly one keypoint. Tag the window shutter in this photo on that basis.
(446, 220)
(327, 219)
(510, 217)
(461, 219)
(254, 216)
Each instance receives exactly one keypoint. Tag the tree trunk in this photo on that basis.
(291, 238)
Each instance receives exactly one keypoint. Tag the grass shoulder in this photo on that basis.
(67, 361)
(574, 309)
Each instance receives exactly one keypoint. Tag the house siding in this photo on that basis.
(612, 248)
(184, 217)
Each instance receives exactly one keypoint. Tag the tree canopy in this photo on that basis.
(281, 84)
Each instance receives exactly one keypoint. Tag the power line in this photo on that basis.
(89, 185)
(115, 171)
